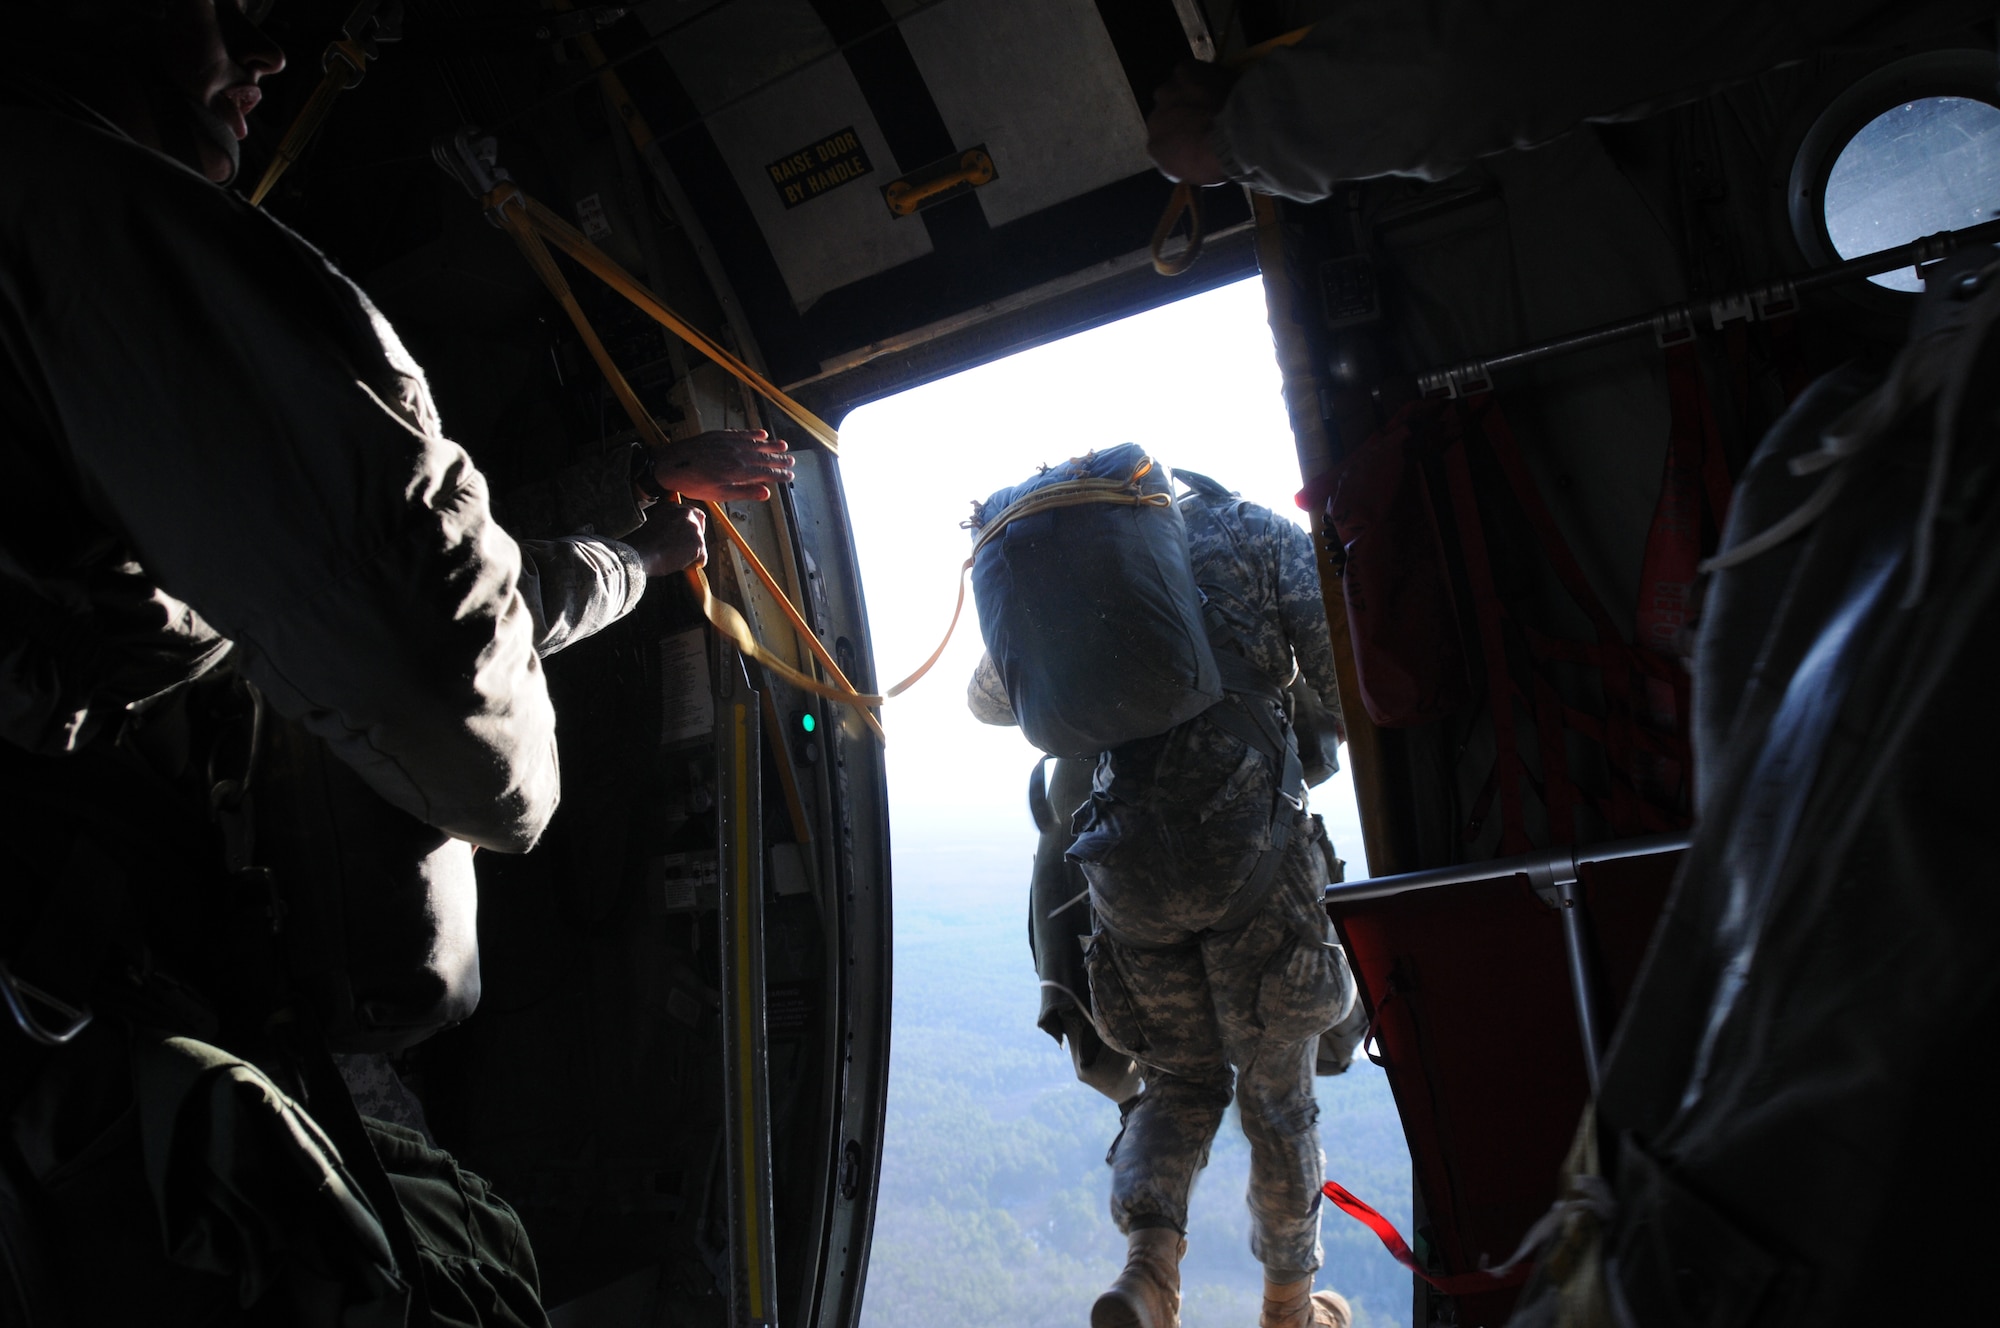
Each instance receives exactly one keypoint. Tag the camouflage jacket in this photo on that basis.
(1194, 804)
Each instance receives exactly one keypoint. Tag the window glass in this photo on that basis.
(1925, 166)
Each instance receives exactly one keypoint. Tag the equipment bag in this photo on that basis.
(1088, 605)
(1060, 920)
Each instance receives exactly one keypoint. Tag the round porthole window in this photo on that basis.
(1925, 166)
(1910, 150)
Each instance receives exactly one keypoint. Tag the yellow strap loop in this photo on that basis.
(1264, 48)
(1182, 200)
(346, 62)
(1186, 198)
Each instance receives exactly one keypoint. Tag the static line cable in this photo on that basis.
(346, 60)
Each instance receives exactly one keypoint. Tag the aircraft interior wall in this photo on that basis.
(587, 1089)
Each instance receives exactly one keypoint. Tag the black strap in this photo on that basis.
(1252, 711)
(332, 1106)
(1203, 485)
(29, 1294)
(1038, 796)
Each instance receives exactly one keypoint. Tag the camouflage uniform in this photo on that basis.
(1172, 833)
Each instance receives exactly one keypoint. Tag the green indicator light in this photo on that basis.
(808, 723)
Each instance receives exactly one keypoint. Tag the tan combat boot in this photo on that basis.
(1148, 1293)
(1297, 1305)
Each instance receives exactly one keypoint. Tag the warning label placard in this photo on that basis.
(817, 167)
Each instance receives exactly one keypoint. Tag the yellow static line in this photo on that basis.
(746, 1079)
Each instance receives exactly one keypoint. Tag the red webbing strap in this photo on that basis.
(1500, 687)
(1454, 1284)
(1736, 358)
(1616, 668)
(1559, 794)
(1673, 545)
(1696, 474)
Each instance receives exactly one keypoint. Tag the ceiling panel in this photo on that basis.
(1038, 82)
(841, 231)
(741, 46)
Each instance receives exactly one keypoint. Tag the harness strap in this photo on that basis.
(1248, 712)
(1203, 485)
(1039, 809)
(331, 1104)
(1509, 770)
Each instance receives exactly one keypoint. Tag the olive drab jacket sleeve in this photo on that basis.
(1387, 87)
(1258, 571)
(236, 415)
(577, 586)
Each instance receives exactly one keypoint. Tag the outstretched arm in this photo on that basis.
(1384, 87)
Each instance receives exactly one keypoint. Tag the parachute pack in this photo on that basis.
(1088, 605)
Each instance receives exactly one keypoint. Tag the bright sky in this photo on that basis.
(1196, 383)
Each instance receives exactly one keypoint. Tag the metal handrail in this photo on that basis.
(1677, 322)
(1550, 865)
(1553, 874)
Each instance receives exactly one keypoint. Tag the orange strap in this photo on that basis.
(528, 222)
(346, 62)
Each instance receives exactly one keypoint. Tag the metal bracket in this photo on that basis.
(1673, 327)
(1556, 881)
(20, 996)
(472, 159)
(372, 21)
(1458, 380)
(1778, 300)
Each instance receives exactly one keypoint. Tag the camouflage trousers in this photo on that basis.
(1228, 1014)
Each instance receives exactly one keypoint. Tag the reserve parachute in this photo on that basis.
(1088, 605)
